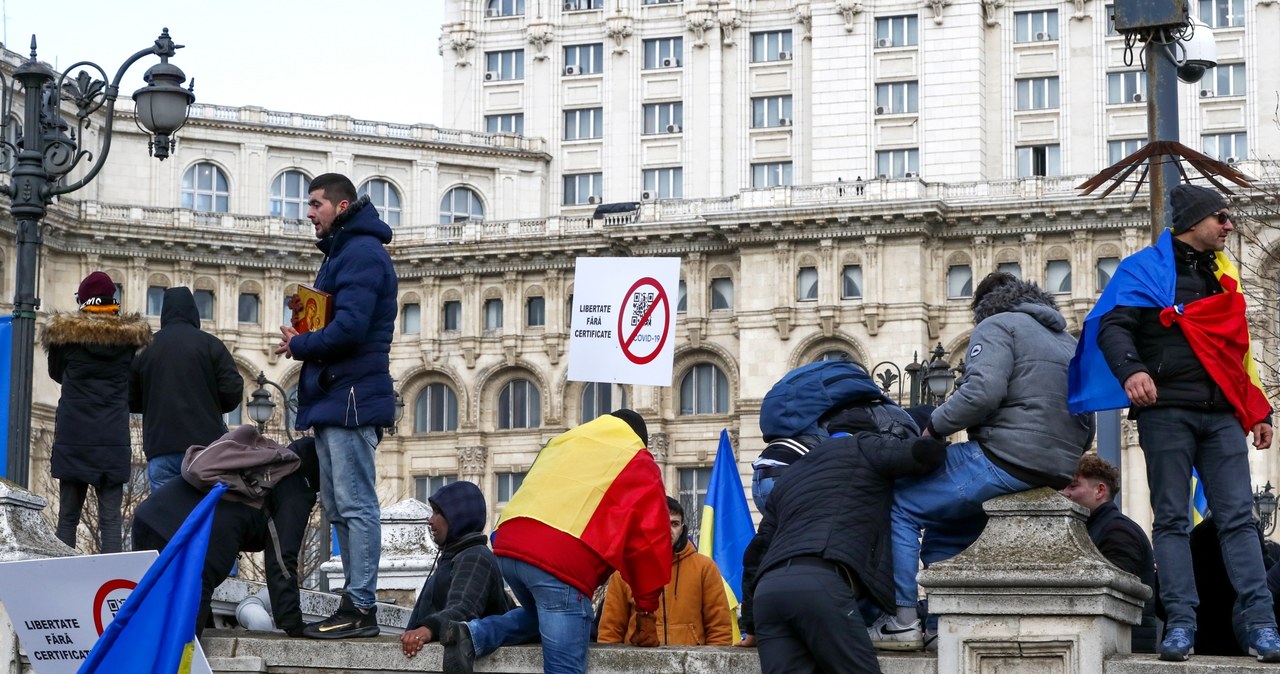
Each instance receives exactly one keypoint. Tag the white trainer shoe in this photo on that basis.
(888, 635)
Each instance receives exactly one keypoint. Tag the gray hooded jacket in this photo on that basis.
(1013, 395)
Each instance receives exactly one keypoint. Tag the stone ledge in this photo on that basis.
(239, 651)
(1198, 664)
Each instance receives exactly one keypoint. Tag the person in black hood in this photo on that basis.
(466, 582)
(181, 385)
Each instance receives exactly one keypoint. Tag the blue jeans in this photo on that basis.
(549, 607)
(163, 468)
(350, 500)
(947, 505)
(1174, 440)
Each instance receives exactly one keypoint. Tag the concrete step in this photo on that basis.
(1198, 664)
(237, 665)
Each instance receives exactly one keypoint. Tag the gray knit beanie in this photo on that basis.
(1191, 203)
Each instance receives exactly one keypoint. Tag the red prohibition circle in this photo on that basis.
(106, 589)
(666, 330)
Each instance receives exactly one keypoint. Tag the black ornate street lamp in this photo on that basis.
(261, 407)
(928, 382)
(47, 150)
(1264, 503)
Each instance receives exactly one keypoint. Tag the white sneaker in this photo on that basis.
(888, 635)
(931, 640)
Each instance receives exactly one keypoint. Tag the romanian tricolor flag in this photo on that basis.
(599, 484)
(1215, 328)
(725, 528)
(155, 630)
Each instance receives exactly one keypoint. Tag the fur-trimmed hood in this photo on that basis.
(1022, 296)
(96, 329)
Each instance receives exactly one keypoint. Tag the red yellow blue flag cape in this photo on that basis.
(726, 528)
(1215, 328)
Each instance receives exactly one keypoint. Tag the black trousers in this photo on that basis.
(807, 621)
(71, 496)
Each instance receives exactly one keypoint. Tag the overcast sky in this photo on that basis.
(371, 59)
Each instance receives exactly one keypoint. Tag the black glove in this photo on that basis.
(932, 451)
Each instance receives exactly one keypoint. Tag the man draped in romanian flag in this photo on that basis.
(1168, 339)
(593, 502)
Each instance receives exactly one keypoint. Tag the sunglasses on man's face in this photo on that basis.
(1222, 217)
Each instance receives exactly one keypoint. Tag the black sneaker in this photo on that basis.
(347, 623)
(459, 650)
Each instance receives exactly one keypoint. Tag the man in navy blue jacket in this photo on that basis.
(345, 392)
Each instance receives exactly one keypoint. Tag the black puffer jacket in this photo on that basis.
(834, 504)
(89, 354)
(1133, 340)
(183, 382)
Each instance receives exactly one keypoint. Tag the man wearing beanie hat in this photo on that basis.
(591, 503)
(1168, 339)
(89, 354)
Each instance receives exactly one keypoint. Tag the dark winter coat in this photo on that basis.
(466, 582)
(1125, 545)
(183, 382)
(1133, 340)
(238, 527)
(346, 379)
(89, 354)
(1012, 398)
(834, 504)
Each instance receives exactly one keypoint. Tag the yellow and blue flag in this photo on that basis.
(1199, 502)
(726, 528)
(155, 630)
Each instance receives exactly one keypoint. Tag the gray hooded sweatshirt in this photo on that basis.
(1013, 395)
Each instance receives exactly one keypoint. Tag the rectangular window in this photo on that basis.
(959, 281)
(495, 8)
(664, 183)
(1037, 93)
(584, 59)
(155, 300)
(807, 284)
(1228, 147)
(535, 312)
(1119, 149)
(663, 52)
(1222, 13)
(771, 174)
(204, 304)
(581, 5)
(452, 316)
(492, 314)
(425, 487)
(721, 293)
(411, 318)
(508, 483)
(897, 31)
(248, 309)
(682, 300)
(1126, 87)
(1057, 277)
(1039, 160)
(897, 97)
(1227, 80)
(663, 117)
(504, 65)
(1014, 268)
(511, 123)
(579, 188)
(1110, 11)
(770, 111)
(1106, 269)
(771, 46)
(1036, 26)
(693, 495)
(583, 124)
(898, 163)
(851, 282)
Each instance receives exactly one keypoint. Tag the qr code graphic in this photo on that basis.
(640, 306)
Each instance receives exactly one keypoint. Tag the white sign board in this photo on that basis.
(624, 315)
(59, 607)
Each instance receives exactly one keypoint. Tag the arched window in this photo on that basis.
(461, 204)
(289, 193)
(385, 198)
(704, 390)
(519, 405)
(435, 410)
(204, 188)
(601, 398)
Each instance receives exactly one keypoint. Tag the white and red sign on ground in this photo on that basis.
(623, 325)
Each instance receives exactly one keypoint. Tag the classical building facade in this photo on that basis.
(834, 176)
